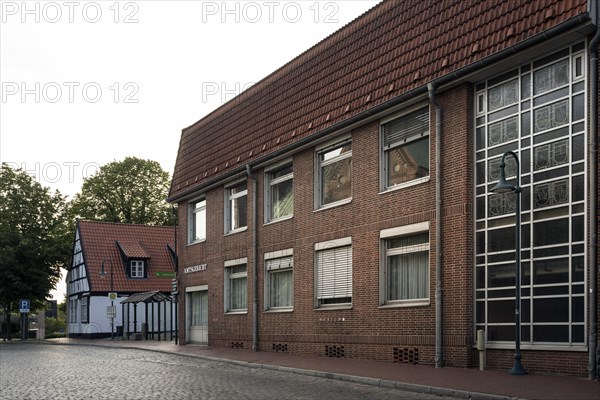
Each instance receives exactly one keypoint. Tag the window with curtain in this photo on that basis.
(334, 276)
(405, 142)
(198, 306)
(279, 194)
(85, 310)
(236, 288)
(407, 268)
(236, 207)
(279, 283)
(335, 174)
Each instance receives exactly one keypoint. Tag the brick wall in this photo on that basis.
(398, 334)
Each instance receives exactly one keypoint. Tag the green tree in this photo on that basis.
(130, 191)
(34, 239)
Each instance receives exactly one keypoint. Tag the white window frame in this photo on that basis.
(270, 183)
(193, 211)
(319, 165)
(278, 262)
(229, 199)
(384, 150)
(137, 269)
(389, 234)
(337, 245)
(228, 277)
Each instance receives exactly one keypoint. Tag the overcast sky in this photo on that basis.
(84, 83)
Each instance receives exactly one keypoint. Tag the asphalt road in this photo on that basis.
(40, 371)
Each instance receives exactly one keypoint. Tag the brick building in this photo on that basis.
(341, 207)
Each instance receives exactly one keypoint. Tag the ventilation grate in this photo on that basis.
(280, 347)
(237, 345)
(406, 355)
(334, 351)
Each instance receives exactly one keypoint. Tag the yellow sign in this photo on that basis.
(112, 296)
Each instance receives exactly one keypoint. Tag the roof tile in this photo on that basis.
(403, 43)
(100, 242)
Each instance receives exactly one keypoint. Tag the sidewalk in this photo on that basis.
(447, 382)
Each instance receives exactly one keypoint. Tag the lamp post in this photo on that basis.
(102, 273)
(504, 187)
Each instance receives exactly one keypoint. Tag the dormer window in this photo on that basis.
(136, 269)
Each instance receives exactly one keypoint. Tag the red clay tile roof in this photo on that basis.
(396, 47)
(133, 249)
(99, 243)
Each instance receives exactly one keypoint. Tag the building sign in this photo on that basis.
(194, 268)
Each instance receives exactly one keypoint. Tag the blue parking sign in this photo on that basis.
(24, 305)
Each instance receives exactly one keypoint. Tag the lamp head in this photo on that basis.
(503, 186)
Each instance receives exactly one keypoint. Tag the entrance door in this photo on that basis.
(198, 327)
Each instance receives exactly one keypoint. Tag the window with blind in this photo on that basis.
(333, 275)
(236, 288)
(279, 283)
(406, 272)
(405, 148)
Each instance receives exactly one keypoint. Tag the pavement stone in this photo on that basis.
(459, 383)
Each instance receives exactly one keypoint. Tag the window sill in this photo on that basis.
(237, 312)
(404, 185)
(333, 205)
(279, 310)
(538, 347)
(274, 221)
(406, 303)
(334, 307)
(244, 229)
(197, 242)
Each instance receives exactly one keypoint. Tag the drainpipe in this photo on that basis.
(254, 261)
(594, 350)
(438, 226)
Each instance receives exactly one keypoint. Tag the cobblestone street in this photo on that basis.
(38, 371)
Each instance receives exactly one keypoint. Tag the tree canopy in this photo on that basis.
(35, 240)
(131, 191)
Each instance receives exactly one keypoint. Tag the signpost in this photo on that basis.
(164, 274)
(24, 308)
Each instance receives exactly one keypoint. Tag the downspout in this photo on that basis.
(254, 261)
(594, 350)
(438, 227)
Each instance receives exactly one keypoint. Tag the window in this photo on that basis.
(73, 311)
(405, 146)
(334, 273)
(279, 196)
(137, 269)
(236, 212)
(279, 280)
(85, 310)
(236, 285)
(538, 111)
(405, 269)
(197, 221)
(335, 174)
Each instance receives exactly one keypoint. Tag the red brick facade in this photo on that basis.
(366, 329)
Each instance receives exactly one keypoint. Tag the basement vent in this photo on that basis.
(237, 345)
(406, 355)
(335, 351)
(280, 347)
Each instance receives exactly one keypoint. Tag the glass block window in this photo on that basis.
(538, 112)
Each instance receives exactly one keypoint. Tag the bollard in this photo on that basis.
(481, 348)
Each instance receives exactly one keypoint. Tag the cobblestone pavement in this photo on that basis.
(37, 371)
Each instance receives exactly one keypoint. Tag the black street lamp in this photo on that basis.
(504, 187)
(102, 273)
